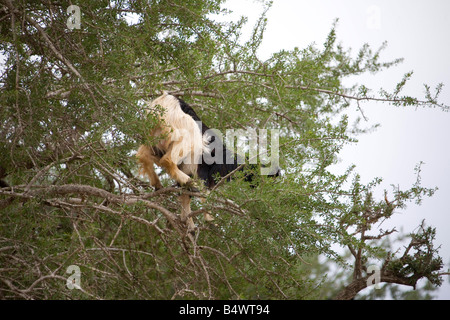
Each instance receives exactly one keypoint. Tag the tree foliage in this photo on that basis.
(71, 107)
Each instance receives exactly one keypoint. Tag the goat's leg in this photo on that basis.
(186, 211)
(147, 158)
(172, 169)
(206, 215)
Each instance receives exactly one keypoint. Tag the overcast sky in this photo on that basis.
(416, 30)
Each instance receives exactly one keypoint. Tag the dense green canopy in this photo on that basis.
(71, 109)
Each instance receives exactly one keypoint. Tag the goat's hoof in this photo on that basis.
(191, 230)
(208, 217)
(193, 186)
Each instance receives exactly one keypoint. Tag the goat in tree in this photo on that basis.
(184, 151)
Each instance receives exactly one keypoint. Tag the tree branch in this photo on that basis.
(47, 193)
(52, 47)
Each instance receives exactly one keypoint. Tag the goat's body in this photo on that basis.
(207, 171)
(183, 150)
(180, 151)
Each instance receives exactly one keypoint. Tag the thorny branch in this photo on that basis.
(78, 198)
(405, 270)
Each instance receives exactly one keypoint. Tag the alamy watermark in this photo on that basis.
(74, 280)
(375, 276)
(251, 141)
(373, 21)
(74, 20)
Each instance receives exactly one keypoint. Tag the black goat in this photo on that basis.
(209, 172)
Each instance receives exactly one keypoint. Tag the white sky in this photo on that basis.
(416, 30)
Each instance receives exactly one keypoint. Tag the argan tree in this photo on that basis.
(73, 86)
